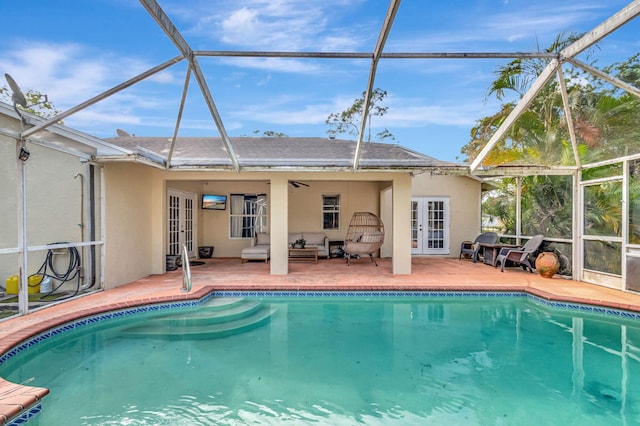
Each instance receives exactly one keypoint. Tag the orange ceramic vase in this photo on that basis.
(547, 264)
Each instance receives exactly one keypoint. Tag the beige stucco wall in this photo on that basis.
(135, 208)
(213, 225)
(129, 219)
(54, 199)
(136, 217)
(136, 211)
(464, 203)
(304, 208)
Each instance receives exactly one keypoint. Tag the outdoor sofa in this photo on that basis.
(260, 247)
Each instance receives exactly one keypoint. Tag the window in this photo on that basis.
(330, 212)
(248, 215)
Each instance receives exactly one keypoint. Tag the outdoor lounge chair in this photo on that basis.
(365, 235)
(472, 248)
(519, 256)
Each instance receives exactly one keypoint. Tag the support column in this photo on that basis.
(279, 225)
(158, 224)
(402, 224)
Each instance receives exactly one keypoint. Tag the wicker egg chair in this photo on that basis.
(365, 235)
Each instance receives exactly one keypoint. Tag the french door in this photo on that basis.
(430, 225)
(181, 222)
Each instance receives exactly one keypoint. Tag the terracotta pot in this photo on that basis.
(547, 264)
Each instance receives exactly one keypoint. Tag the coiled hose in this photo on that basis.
(72, 272)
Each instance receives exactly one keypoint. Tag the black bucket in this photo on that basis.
(173, 262)
(205, 252)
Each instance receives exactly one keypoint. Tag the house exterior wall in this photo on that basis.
(136, 211)
(464, 198)
(359, 192)
(130, 212)
(54, 201)
(304, 208)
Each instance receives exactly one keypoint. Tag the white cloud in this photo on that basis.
(421, 115)
(286, 65)
(282, 113)
(70, 73)
(499, 29)
(280, 25)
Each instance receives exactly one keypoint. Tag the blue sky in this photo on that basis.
(74, 50)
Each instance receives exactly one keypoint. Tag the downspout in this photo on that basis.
(92, 225)
(23, 294)
(103, 246)
(81, 224)
(83, 286)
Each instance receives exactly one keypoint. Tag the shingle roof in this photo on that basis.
(278, 152)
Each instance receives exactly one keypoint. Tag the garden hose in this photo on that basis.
(72, 272)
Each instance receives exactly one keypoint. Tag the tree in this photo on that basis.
(271, 134)
(349, 120)
(37, 103)
(605, 119)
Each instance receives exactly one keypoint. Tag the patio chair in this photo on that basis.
(520, 256)
(365, 236)
(472, 248)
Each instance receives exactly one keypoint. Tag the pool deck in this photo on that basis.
(428, 274)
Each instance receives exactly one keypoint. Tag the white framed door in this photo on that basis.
(430, 225)
(181, 226)
(601, 227)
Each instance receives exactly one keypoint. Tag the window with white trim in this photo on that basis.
(248, 215)
(331, 212)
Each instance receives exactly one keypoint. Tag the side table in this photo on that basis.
(490, 252)
(334, 246)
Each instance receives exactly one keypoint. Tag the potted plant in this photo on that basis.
(547, 264)
(301, 243)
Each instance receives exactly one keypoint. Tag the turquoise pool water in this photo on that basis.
(346, 361)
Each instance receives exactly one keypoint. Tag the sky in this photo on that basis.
(74, 50)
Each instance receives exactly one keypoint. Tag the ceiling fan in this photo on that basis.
(295, 183)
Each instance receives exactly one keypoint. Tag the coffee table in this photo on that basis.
(310, 253)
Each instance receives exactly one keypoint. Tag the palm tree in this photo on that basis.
(605, 121)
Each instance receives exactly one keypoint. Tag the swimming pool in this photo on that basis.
(345, 359)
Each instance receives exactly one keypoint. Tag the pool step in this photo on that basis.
(210, 315)
(207, 322)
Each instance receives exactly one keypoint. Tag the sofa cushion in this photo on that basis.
(294, 236)
(314, 238)
(262, 238)
(250, 251)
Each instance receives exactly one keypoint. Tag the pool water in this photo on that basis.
(347, 361)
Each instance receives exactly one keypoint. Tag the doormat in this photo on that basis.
(195, 263)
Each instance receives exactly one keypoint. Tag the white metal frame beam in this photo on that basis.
(172, 32)
(185, 90)
(377, 53)
(631, 11)
(620, 18)
(606, 77)
(626, 14)
(367, 55)
(101, 96)
(568, 117)
(528, 97)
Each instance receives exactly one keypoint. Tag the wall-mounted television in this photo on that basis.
(213, 202)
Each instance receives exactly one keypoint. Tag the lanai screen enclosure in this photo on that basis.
(572, 125)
